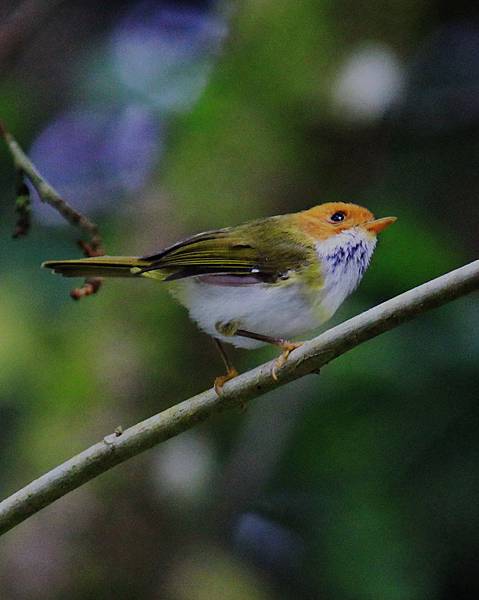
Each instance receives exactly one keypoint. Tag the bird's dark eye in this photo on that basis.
(337, 217)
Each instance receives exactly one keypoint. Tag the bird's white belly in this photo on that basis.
(283, 311)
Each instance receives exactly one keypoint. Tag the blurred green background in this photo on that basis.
(162, 119)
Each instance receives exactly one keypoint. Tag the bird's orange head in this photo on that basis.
(331, 218)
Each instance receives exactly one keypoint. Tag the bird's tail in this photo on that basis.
(102, 266)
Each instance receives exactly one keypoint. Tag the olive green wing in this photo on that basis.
(262, 249)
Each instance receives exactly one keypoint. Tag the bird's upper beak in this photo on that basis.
(379, 224)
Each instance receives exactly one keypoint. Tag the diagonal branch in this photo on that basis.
(314, 354)
(26, 169)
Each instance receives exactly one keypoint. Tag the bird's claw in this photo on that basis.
(287, 348)
(222, 379)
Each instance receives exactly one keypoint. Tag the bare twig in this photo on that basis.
(25, 169)
(47, 193)
(120, 446)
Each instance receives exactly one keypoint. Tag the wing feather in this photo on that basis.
(237, 251)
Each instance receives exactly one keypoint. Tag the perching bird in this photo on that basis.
(262, 282)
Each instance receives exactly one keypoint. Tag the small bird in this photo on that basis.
(263, 282)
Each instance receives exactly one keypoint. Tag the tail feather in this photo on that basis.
(101, 266)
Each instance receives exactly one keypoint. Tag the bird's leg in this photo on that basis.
(231, 372)
(286, 346)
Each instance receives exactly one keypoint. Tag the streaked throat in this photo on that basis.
(344, 258)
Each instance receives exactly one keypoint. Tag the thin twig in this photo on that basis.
(47, 192)
(119, 447)
(26, 169)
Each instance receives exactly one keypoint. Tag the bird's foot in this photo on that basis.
(231, 373)
(287, 348)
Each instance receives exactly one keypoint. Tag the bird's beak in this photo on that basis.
(379, 224)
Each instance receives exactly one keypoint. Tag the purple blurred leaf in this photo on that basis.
(164, 53)
(96, 156)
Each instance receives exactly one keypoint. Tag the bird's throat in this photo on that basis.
(344, 259)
